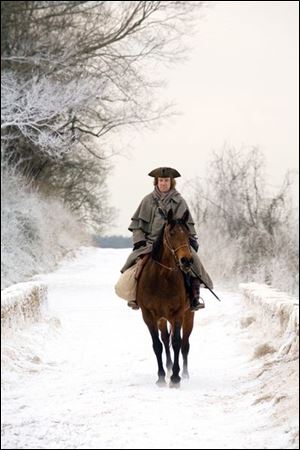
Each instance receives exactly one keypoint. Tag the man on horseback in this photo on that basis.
(148, 221)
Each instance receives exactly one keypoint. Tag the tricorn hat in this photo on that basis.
(164, 172)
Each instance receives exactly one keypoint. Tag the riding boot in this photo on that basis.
(195, 295)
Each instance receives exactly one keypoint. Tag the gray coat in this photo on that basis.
(147, 222)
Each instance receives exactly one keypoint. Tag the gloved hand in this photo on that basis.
(194, 243)
(139, 244)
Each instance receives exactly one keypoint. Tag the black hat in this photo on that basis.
(164, 172)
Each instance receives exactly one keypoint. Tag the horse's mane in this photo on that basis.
(157, 245)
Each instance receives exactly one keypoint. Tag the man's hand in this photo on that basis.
(139, 244)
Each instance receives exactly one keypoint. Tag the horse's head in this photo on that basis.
(177, 239)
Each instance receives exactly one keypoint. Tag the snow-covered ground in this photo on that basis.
(84, 376)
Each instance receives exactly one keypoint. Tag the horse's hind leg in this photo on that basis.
(188, 323)
(165, 336)
(157, 346)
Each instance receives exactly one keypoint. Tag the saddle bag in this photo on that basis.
(126, 285)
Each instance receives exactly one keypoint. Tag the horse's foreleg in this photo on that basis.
(165, 336)
(176, 344)
(157, 347)
(188, 323)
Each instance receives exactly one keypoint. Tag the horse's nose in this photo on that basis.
(186, 262)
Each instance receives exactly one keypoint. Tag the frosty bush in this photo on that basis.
(35, 232)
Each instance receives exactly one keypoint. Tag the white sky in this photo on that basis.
(239, 87)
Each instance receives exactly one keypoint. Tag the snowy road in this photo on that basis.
(84, 378)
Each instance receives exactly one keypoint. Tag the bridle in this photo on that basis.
(174, 253)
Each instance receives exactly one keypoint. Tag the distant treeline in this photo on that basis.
(112, 241)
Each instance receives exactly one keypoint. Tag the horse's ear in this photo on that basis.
(170, 216)
(185, 216)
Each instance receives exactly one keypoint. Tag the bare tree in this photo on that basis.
(237, 187)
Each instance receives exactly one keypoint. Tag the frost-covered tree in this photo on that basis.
(73, 72)
(81, 182)
(37, 111)
(115, 48)
(249, 230)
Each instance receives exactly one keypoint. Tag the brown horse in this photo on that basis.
(162, 295)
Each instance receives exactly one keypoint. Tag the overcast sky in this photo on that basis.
(238, 88)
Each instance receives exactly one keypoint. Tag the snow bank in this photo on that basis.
(278, 313)
(22, 303)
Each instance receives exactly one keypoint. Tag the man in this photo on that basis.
(148, 221)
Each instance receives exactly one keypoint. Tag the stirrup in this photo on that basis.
(198, 305)
(133, 304)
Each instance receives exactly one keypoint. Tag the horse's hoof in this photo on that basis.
(185, 375)
(175, 379)
(174, 385)
(161, 382)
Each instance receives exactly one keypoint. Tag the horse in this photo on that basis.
(163, 298)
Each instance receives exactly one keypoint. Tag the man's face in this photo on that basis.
(164, 184)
